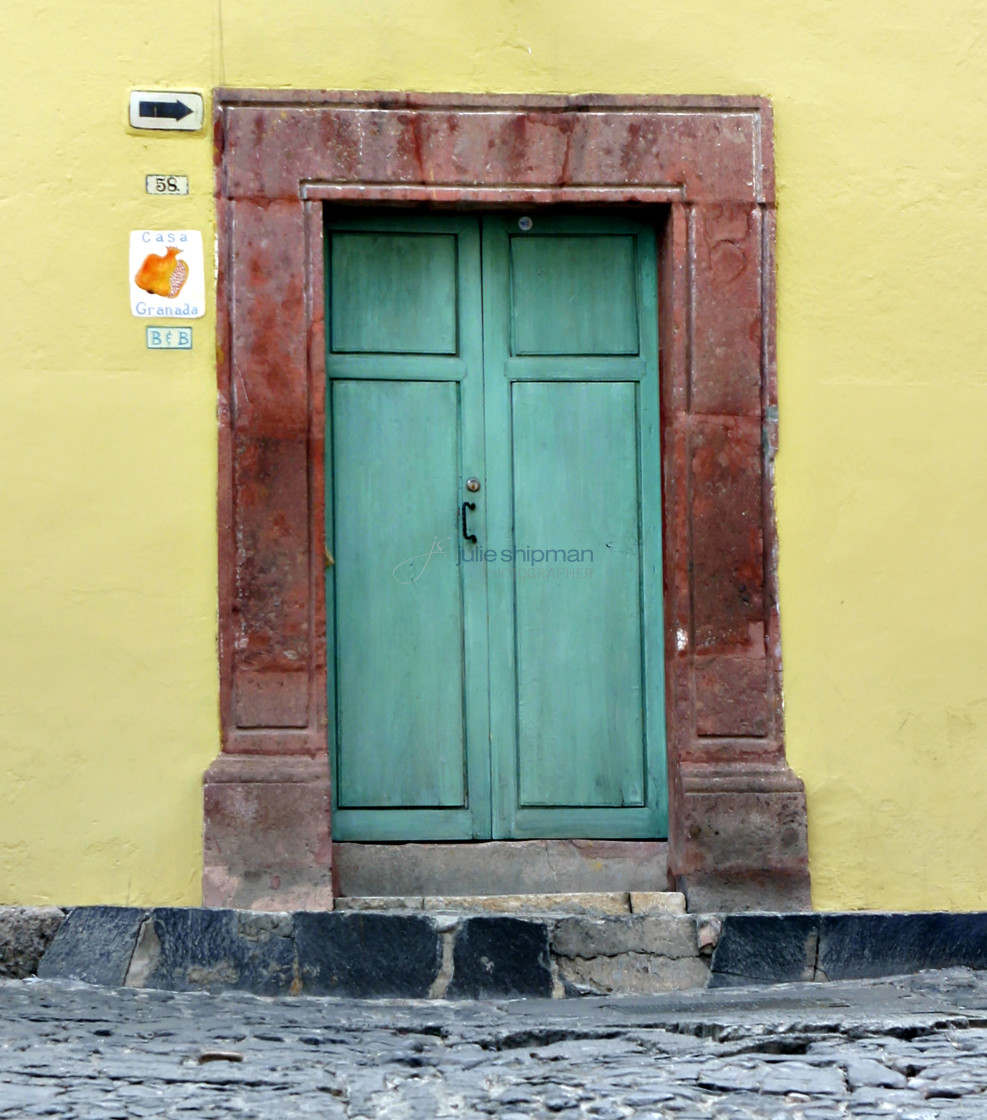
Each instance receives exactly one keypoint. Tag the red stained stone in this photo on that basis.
(672, 334)
(770, 387)
(271, 524)
(319, 651)
(708, 156)
(270, 368)
(739, 830)
(272, 699)
(743, 821)
(727, 534)
(678, 594)
(673, 310)
(676, 524)
(730, 696)
(280, 741)
(726, 348)
(267, 841)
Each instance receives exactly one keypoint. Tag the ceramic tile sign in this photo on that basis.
(166, 184)
(167, 278)
(169, 338)
(164, 109)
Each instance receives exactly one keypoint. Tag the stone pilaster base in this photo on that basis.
(740, 838)
(266, 833)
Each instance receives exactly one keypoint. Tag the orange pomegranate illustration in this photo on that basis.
(162, 276)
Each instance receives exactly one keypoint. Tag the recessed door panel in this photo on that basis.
(577, 602)
(399, 621)
(574, 294)
(394, 293)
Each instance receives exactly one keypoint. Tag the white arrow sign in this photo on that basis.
(166, 109)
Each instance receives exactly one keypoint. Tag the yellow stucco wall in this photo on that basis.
(108, 707)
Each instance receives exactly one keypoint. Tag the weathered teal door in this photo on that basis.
(494, 378)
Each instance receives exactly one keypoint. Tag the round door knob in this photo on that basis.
(472, 485)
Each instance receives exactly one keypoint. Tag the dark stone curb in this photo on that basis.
(95, 944)
(501, 957)
(345, 953)
(786, 948)
(365, 954)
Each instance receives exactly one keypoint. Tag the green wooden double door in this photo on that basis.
(494, 377)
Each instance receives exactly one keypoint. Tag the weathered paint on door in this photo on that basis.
(511, 688)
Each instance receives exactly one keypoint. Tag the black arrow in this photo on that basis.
(176, 110)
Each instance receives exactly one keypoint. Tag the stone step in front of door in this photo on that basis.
(500, 867)
(435, 955)
(371, 955)
(613, 903)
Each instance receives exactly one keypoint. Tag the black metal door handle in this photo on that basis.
(467, 535)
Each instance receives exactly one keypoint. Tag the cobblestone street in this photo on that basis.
(913, 1048)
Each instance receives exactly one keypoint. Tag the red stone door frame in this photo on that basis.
(704, 168)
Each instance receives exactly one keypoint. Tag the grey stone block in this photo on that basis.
(793, 1077)
(25, 933)
(532, 905)
(632, 974)
(665, 935)
(501, 867)
(215, 950)
(776, 892)
(500, 957)
(868, 1072)
(367, 955)
(94, 944)
(657, 902)
(765, 949)
(865, 946)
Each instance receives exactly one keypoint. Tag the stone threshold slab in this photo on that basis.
(504, 867)
(374, 954)
(611, 902)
